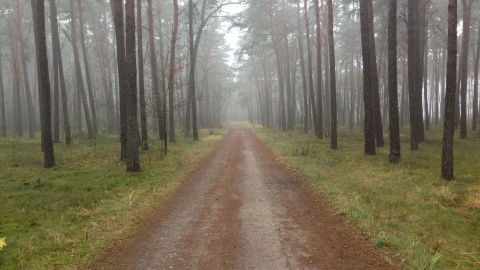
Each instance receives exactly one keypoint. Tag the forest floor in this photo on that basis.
(244, 208)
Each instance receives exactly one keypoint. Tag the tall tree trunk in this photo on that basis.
(78, 73)
(374, 74)
(413, 66)
(2, 100)
(141, 79)
(464, 68)
(290, 118)
(132, 155)
(17, 97)
(448, 128)
(302, 68)
(333, 87)
(394, 128)
(171, 75)
(425, 87)
(310, 70)
(91, 95)
(475, 86)
(38, 9)
(319, 70)
(117, 12)
(154, 69)
(367, 80)
(26, 80)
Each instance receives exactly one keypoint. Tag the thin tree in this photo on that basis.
(333, 86)
(2, 100)
(58, 64)
(319, 70)
(464, 67)
(413, 72)
(78, 73)
(26, 79)
(310, 70)
(302, 68)
(475, 87)
(141, 79)
(448, 128)
(369, 129)
(154, 69)
(171, 74)
(117, 12)
(394, 156)
(86, 65)
(38, 9)
(132, 154)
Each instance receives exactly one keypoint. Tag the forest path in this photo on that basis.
(244, 209)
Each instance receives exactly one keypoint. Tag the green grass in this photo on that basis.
(61, 218)
(428, 222)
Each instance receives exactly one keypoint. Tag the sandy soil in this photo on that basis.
(243, 208)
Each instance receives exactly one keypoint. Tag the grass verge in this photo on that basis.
(61, 218)
(430, 223)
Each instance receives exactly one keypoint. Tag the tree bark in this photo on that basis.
(38, 9)
(117, 12)
(448, 128)
(141, 79)
(171, 75)
(333, 80)
(132, 154)
(394, 128)
(374, 73)
(367, 80)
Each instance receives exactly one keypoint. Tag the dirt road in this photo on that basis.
(244, 209)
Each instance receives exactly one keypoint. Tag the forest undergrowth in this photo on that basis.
(426, 221)
(62, 218)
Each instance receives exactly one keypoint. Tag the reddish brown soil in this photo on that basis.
(243, 208)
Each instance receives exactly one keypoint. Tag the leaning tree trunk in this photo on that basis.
(448, 128)
(38, 9)
(78, 73)
(91, 96)
(171, 75)
(141, 79)
(333, 86)
(367, 80)
(394, 129)
(57, 53)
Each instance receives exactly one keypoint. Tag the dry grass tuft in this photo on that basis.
(445, 193)
(473, 199)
